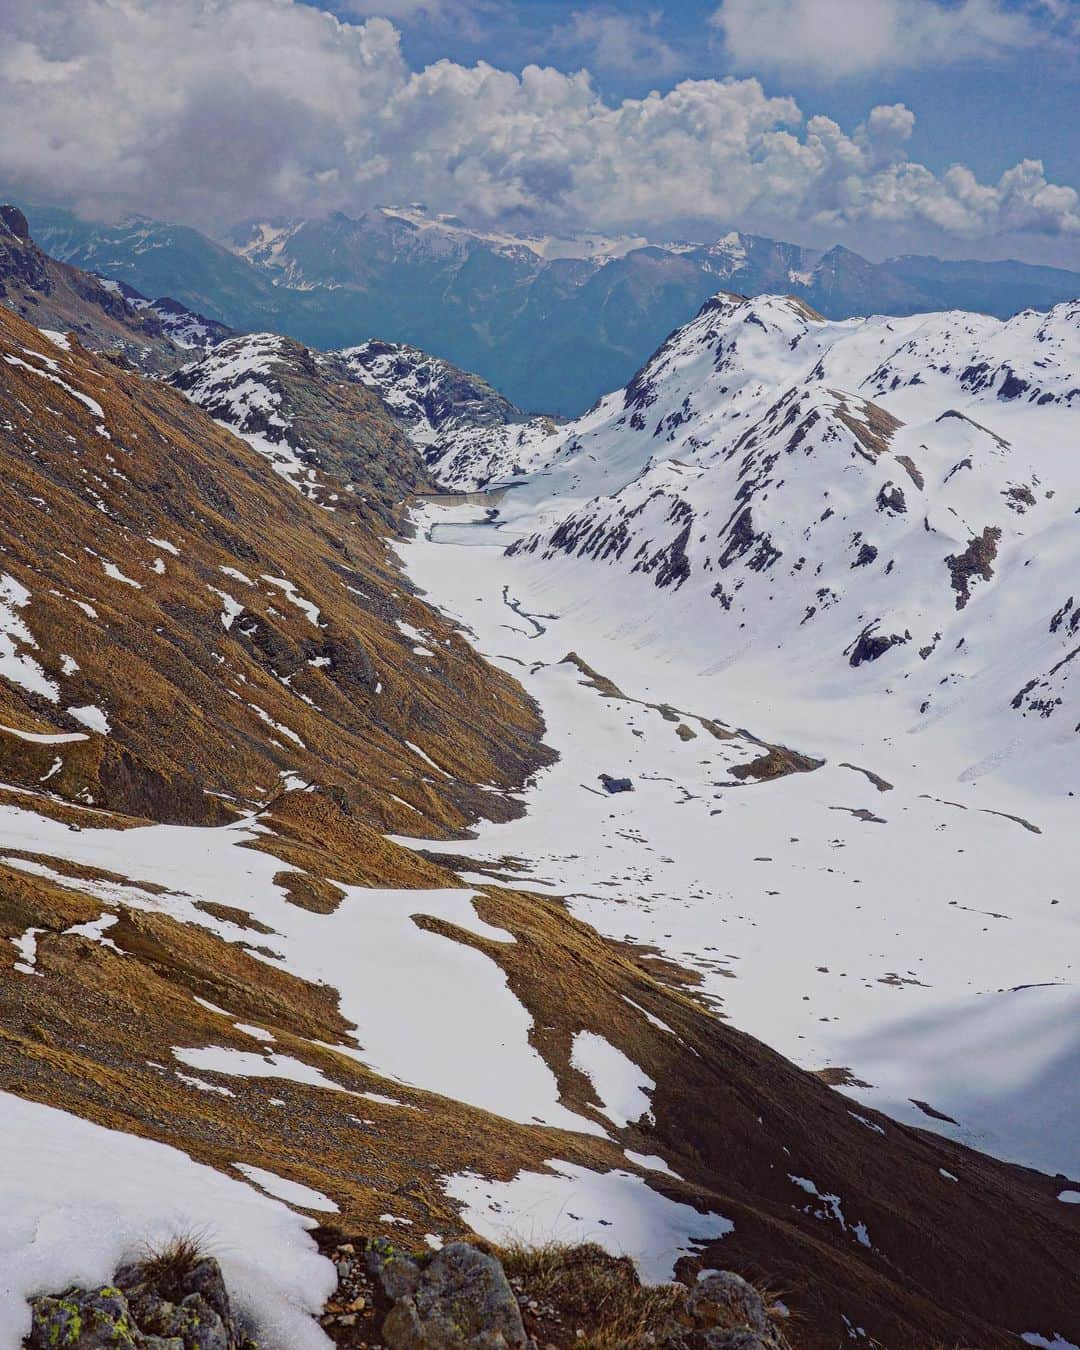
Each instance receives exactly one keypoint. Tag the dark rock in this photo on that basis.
(16, 222)
(871, 645)
(84, 1319)
(398, 1274)
(725, 1298)
(148, 1307)
(463, 1298)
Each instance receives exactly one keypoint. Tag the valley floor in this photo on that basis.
(885, 916)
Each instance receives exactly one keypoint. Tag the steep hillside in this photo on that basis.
(105, 315)
(332, 1018)
(552, 322)
(322, 429)
(429, 396)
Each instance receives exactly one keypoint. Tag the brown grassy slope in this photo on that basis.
(196, 708)
(55, 295)
(968, 1262)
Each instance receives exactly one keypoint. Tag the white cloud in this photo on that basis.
(410, 11)
(629, 44)
(841, 38)
(268, 107)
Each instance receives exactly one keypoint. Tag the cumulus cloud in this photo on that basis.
(629, 44)
(840, 38)
(213, 111)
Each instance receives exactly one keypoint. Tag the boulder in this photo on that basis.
(150, 1306)
(85, 1319)
(462, 1299)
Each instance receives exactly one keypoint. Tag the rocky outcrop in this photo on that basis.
(158, 1304)
(535, 1298)
(460, 1298)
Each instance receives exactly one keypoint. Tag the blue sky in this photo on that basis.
(940, 126)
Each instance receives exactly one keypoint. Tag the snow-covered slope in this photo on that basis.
(468, 433)
(321, 427)
(860, 540)
(888, 505)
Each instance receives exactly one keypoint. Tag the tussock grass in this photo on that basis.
(593, 1291)
(167, 1264)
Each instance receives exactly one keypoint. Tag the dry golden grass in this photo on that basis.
(593, 1292)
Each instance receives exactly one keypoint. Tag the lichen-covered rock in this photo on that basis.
(192, 1321)
(726, 1313)
(398, 1274)
(84, 1319)
(462, 1299)
(150, 1306)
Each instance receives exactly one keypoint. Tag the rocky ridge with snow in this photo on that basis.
(552, 322)
(106, 315)
(891, 498)
(323, 429)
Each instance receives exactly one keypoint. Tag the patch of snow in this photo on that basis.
(572, 1204)
(623, 1089)
(202, 1085)
(830, 1209)
(60, 340)
(95, 930)
(15, 665)
(84, 399)
(80, 1199)
(288, 589)
(652, 1162)
(26, 945)
(257, 1032)
(92, 717)
(51, 738)
(112, 571)
(291, 1192)
(231, 609)
(427, 759)
(247, 1064)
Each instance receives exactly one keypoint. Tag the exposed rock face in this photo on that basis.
(318, 423)
(429, 396)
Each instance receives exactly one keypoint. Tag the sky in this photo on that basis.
(944, 126)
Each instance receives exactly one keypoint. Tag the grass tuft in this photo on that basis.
(167, 1265)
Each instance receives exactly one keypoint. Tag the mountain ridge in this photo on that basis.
(551, 332)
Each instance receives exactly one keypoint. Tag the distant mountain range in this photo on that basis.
(552, 322)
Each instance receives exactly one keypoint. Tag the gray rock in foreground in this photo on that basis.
(462, 1298)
